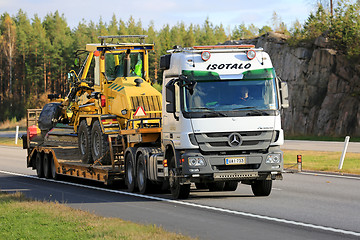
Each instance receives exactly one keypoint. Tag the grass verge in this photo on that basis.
(322, 138)
(10, 141)
(324, 161)
(22, 218)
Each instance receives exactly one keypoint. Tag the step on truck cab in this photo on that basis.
(222, 118)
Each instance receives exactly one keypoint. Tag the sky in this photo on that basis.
(229, 13)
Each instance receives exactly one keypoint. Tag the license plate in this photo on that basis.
(235, 161)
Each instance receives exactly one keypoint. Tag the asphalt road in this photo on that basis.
(302, 206)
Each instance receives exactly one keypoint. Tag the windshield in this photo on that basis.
(115, 65)
(255, 90)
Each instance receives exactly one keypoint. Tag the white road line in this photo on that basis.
(273, 219)
(330, 175)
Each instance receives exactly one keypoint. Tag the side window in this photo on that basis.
(137, 66)
(114, 65)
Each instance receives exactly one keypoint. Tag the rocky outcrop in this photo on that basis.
(324, 86)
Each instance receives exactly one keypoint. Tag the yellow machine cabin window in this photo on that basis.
(116, 65)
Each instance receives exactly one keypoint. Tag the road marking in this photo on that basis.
(330, 175)
(262, 217)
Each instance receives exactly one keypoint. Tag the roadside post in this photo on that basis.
(17, 135)
(299, 163)
(347, 139)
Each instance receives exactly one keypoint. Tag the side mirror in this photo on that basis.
(284, 93)
(170, 97)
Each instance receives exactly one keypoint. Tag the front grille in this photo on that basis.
(219, 142)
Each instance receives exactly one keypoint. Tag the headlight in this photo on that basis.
(273, 158)
(196, 161)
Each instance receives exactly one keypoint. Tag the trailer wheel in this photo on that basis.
(100, 144)
(143, 183)
(53, 172)
(39, 165)
(178, 191)
(261, 188)
(231, 185)
(46, 165)
(216, 186)
(84, 139)
(130, 178)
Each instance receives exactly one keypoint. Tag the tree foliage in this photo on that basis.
(342, 28)
(36, 54)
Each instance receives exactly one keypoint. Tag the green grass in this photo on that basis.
(22, 218)
(322, 138)
(10, 141)
(324, 161)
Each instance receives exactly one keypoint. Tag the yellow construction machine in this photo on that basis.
(111, 87)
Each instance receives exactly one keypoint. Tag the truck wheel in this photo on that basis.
(84, 139)
(46, 165)
(53, 172)
(216, 186)
(39, 165)
(231, 186)
(130, 178)
(143, 183)
(261, 188)
(178, 191)
(100, 144)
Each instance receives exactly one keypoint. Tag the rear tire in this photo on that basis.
(143, 183)
(99, 145)
(46, 166)
(130, 178)
(261, 188)
(53, 172)
(231, 185)
(39, 165)
(84, 139)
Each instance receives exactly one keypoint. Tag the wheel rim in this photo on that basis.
(82, 143)
(53, 169)
(129, 173)
(172, 180)
(141, 175)
(96, 146)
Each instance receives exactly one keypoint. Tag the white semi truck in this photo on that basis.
(215, 124)
(221, 118)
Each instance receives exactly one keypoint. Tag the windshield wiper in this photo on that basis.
(220, 114)
(253, 109)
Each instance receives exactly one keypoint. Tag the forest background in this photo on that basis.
(36, 54)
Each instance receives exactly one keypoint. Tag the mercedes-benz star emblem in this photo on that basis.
(235, 140)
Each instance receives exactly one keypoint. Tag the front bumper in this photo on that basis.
(216, 169)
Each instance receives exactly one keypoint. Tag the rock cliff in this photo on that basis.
(324, 86)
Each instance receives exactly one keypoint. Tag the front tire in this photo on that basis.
(231, 186)
(100, 144)
(84, 139)
(261, 188)
(216, 186)
(178, 190)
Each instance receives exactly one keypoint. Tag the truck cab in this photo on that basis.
(222, 117)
